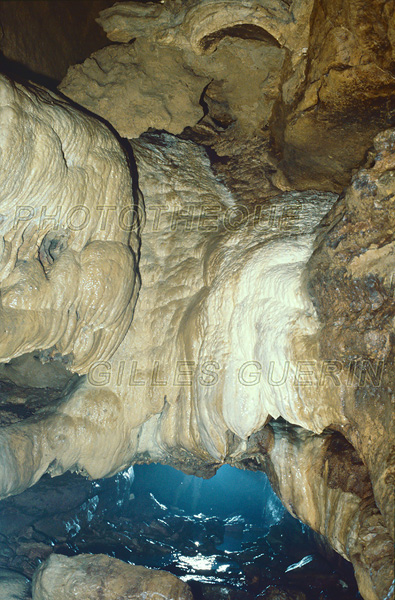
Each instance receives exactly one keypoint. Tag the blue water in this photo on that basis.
(231, 492)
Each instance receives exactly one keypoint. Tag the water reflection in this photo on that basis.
(229, 533)
(231, 492)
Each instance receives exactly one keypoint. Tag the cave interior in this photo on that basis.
(197, 283)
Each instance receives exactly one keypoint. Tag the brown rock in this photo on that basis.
(335, 500)
(350, 280)
(350, 77)
(275, 593)
(46, 37)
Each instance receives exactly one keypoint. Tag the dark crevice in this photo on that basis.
(245, 31)
(21, 74)
(202, 101)
(345, 469)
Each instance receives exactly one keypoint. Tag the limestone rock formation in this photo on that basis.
(279, 90)
(103, 578)
(323, 482)
(182, 385)
(142, 85)
(351, 281)
(348, 92)
(214, 68)
(263, 333)
(67, 247)
(221, 342)
(201, 25)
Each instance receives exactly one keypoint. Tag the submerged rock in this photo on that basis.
(275, 593)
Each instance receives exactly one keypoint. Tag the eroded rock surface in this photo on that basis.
(351, 280)
(191, 385)
(323, 482)
(247, 312)
(68, 279)
(278, 90)
(103, 578)
(222, 341)
(211, 70)
(350, 75)
(183, 384)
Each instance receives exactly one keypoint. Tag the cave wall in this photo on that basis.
(41, 39)
(269, 110)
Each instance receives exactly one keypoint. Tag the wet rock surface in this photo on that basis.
(221, 558)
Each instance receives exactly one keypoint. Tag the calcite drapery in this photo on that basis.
(206, 349)
(69, 240)
(196, 319)
(242, 320)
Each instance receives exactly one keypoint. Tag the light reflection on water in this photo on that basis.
(231, 492)
(207, 569)
(198, 562)
(232, 533)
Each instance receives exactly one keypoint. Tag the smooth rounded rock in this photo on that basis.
(99, 577)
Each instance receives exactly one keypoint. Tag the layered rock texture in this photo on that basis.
(62, 174)
(263, 332)
(278, 90)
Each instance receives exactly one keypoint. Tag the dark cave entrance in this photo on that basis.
(228, 537)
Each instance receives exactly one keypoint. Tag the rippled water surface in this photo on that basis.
(228, 537)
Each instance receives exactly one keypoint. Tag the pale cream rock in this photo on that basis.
(144, 85)
(99, 577)
(93, 430)
(217, 72)
(377, 260)
(219, 302)
(222, 301)
(68, 250)
(138, 86)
